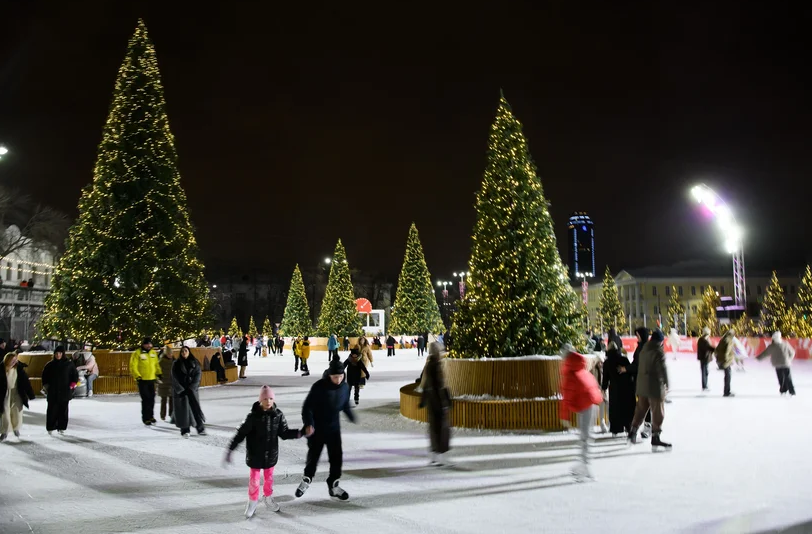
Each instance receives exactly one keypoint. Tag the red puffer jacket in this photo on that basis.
(579, 389)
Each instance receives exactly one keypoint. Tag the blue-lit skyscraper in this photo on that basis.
(581, 233)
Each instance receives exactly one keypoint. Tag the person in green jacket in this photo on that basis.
(145, 368)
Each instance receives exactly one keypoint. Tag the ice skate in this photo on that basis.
(89, 393)
(185, 435)
(303, 485)
(17, 433)
(337, 492)
(633, 440)
(250, 508)
(50, 432)
(582, 473)
(659, 445)
(61, 432)
(604, 428)
(306, 373)
(270, 504)
(3, 437)
(356, 401)
(202, 432)
(646, 431)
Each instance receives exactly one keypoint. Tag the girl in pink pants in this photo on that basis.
(261, 431)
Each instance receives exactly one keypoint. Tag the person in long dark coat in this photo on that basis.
(59, 378)
(437, 399)
(643, 335)
(357, 373)
(186, 373)
(619, 381)
(242, 356)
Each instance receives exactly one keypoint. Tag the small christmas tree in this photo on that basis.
(267, 328)
(252, 327)
(609, 307)
(415, 310)
(746, 327)
(339, 314)
(296, 321)
(131, 268)
(676, 313)
(234, 331)
(706, 313)
(774, 308)
(518, 301)
(803, 307)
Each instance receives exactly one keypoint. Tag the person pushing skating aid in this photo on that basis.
(320, 414)
(261, 430)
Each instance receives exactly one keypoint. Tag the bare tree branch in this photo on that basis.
(41, 228)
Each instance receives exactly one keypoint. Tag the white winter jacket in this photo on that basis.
(781, 354)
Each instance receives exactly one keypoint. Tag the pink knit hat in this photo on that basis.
(265, 392)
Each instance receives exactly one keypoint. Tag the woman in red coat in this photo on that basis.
(580, 393)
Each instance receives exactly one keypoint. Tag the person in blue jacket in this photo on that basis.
(320, 414)
(332, 346)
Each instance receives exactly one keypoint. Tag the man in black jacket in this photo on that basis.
(704, 353)
(59, 377)
(320, 415)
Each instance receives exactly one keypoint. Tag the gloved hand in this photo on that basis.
(73, 385)
(226, 459)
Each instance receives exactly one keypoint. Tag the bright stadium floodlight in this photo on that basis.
(732, 234)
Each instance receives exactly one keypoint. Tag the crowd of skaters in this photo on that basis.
(634, 392)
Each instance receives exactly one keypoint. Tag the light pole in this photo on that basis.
(462, 276)
(444, 284)
(585, 290)
(731, 233)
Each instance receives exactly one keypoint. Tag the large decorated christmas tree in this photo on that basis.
(609, 308)
(675, 313)
(252, 327)
(706, 313)
(296, 321)
(774, 313)
(802, 310)
(131, 267)
(234, 331)
(518, 300)
(415, 310)
(339, 314)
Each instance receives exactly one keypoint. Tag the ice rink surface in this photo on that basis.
(739, 465)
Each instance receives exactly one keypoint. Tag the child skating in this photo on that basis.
(261, 430)
(580, 393)
(320, 414)
(357, 373)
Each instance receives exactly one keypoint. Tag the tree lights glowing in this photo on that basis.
(296, 321)
(131, 267)
(415, 310)
(339, 314)
(520, 302)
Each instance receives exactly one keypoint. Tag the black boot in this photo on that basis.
(658, 444)
(633, 436)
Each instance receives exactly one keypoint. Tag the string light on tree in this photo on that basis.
(296, 321)
(609, 308)
(131, 268)
(415, 310)
(521, 303)
(339, 314)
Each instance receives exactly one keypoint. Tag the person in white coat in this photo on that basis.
(673, 340)
(781, 355)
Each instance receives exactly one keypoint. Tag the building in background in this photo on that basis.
(644, 293)
(581, 238)
(25, 271)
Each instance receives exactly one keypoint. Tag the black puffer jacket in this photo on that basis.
(57, 376)
(24, 388)
(261, 431)
(356, 371)
(323, 405)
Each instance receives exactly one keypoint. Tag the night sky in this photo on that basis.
(298, 124)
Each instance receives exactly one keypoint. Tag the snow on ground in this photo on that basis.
(739, 465)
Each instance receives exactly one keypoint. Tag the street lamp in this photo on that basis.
(462, 276)
(731, 232)
(328, 261)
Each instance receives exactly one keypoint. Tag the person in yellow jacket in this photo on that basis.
(145, 368)
(304, 354)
